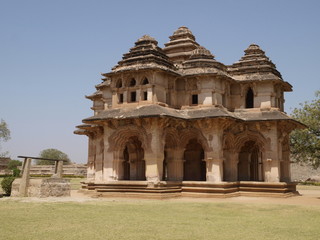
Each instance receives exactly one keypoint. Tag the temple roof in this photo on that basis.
(181, 45)
(188, 114)
(202, 61)
(144, 55)
(256, 66)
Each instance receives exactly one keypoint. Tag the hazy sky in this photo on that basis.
(52, 54)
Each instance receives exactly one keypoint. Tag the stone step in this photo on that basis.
(147, 190)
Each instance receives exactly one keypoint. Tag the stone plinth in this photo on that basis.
(48, 187)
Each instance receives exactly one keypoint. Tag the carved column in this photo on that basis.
(214, 158)
(155, 155)
(214, 169)
(175, 165)
(118, 171)
(91, 159)
(99, 156)
(231, 166)
(107, 155)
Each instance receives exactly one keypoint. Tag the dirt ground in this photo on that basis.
(309, 196)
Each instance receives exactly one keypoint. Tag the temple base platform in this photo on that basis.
(171, 189)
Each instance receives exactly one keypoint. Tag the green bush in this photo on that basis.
(6, 184)
(16, 172)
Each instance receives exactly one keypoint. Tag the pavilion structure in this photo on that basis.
(174, 121)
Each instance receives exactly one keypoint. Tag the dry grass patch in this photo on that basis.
(157, 220)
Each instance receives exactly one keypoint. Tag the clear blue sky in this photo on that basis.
(52, 54)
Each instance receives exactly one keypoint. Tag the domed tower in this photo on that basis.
(180, 46)
(142, 75)
(205, 81)
(261, 84)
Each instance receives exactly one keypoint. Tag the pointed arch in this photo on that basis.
(132, 82)
(145, 81)
(120, 137)
(192, 133)
(248, 135)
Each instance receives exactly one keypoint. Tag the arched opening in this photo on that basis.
(145, 81)
(133, 163)
(250, 167)
(132, 82)
(249, 99)
(194, 167)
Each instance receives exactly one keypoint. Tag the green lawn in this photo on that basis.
(143, 219)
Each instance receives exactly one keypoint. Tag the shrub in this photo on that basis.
(16, 172)
(6, 184)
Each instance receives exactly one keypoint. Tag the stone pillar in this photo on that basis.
(155, 155)
(23, 188)
(58, 169)
(285, 175)
(214, 157)
(175, 165)
(231, 167)
(109, 156)
(271, 159)
(98, 162)
(154, 166)
(118, 173)
(91, 159)
(214, 169)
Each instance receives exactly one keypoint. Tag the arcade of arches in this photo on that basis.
(164, 150)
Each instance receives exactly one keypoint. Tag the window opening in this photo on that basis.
(145, 81)
(121, 98)
(133, 96)
(195, 99)
(132, 82)
(249, 99)
(145, 96)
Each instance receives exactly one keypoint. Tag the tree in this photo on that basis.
(13, 164)
(52, 153)
(4, 135)
(305, 143)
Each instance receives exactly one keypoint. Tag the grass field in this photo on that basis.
(143, 219)
(151, 219)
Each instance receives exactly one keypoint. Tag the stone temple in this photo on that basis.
(174, 121)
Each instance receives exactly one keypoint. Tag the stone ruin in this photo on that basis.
(174, 121)
(55, 186)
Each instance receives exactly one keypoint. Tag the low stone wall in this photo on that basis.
(304, 172)
(43, 187)
(73, 170)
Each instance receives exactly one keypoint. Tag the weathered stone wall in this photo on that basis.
(304, 173)
(74, 169)
(48, 187)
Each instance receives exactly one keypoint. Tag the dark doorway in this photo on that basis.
(133, 164)
(194, 167)
(165, 168)
(250, 167)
